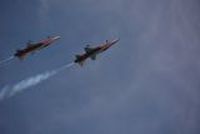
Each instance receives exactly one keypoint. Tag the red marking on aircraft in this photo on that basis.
(91, 52)
(33, 47)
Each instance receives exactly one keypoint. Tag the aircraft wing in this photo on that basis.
(88, 50)
(93, 57)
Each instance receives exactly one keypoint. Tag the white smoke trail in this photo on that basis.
(6, 60)
(3, 93)
(8, 91)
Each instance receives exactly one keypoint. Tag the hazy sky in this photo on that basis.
(149, 83)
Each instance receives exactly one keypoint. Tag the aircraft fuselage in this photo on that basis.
(32, 47)
(94, 51)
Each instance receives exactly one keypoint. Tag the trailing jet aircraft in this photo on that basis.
(33, 47)
(91, 52)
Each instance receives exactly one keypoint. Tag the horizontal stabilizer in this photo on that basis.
(88, 49)
(79, 60)
(81, 63)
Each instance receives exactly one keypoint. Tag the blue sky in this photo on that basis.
(147, 84)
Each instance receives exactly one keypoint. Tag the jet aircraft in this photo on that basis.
(91, 52)
(33, 47)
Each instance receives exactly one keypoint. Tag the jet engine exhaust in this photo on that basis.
(6, 60)
(10, 91)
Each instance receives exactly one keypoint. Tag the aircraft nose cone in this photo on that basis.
(115, 41)
(56, 37)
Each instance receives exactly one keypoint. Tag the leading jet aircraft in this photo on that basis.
(33, 47)
(91, 52)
